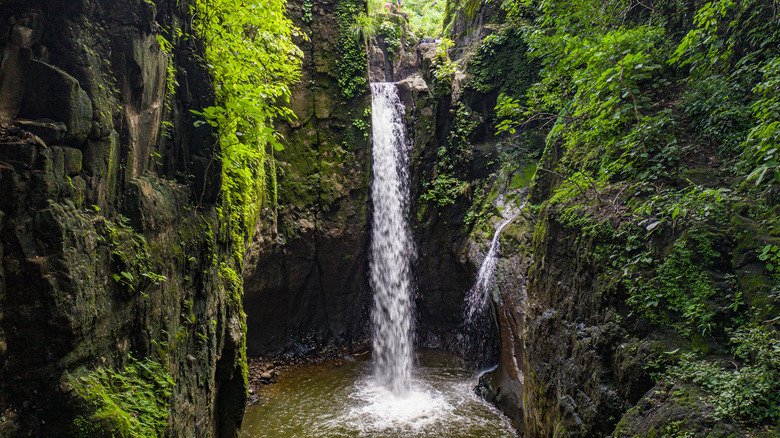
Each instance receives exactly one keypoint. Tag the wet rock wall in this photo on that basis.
(306, 284)
(109, 240)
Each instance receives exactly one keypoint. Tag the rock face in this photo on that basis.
(53, 94)
(109, 240)
(466, 20)
(391, 55)
(306, 278)
(554, 374)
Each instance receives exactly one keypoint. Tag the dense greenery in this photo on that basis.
(253, 60)
(133, 402)
(747, 392)
(351, 60)
(425, 17)
(662, 123)
(500, 64)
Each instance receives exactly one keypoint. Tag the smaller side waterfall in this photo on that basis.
(477, 298)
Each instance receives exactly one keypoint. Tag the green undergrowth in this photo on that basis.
(251, 55)
(744, 389)
(425, 17)
(661, 150)
(351, 57)
(133, 402)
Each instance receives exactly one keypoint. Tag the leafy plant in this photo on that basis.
(444, 190)
(253, 60)
(770, 254)
(391, 31)
(444, 67)
(125, 278)
(306, 16)
(747, 392)
(131, 402)
(364, 28)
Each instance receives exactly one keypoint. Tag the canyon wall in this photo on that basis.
(306, 283)
(111, 245)
(617, 322)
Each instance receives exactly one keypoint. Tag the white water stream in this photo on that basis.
(394, 395)
(391, 243)
(477, 298)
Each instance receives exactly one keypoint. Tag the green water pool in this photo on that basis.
(333, 401)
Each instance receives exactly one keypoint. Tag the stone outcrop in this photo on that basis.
(109, 240)
(391, 54)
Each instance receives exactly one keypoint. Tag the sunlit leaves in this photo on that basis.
(251, 55)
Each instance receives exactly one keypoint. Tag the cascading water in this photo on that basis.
(477, 298)
(434, 399)
(391, 243)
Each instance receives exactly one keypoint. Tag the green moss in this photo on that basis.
(502, 64)
(521, 178)
(130, 403)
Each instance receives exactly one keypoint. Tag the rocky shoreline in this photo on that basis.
(263, 371)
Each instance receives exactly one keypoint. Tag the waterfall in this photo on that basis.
(477, 298)
(391, 243)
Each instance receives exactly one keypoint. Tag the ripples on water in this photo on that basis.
(328, 401)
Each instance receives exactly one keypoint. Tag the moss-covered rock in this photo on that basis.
(112, 245)
(306, 282)
(680, 411)
(131, 403)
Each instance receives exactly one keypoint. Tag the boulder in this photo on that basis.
(53, 94)
(24, 36)
(12, 81)
(19, 152)
(413, 88)
(73, 160)
(51, 132)
(376, 65)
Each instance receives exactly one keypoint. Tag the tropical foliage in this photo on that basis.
(250, 52)
(662, 123)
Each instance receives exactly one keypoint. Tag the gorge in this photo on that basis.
(194, 186)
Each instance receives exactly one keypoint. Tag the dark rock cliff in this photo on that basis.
(306, 282)
(578, 357)
(109, 240)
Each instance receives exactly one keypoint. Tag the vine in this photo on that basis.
(253, 60)
(351, 60)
